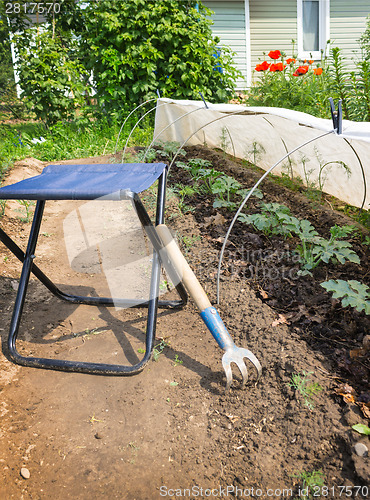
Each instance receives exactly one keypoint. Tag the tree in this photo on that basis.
(138, 47)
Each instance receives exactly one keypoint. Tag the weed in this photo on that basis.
(26, 204)
(159, 348)
(352, 292)
(2, 207)
(183, 191)
(164, 285)
(92, 419)
(188, 241)
(311, 483)
(255, 152)
(224, 139)
(307, 389)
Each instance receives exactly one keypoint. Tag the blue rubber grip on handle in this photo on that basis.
(217, 328)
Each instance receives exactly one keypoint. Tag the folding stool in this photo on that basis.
(90, 182)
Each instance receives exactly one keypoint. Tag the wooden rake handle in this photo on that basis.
(184, 271)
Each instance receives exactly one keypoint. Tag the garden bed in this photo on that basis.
(172, 428)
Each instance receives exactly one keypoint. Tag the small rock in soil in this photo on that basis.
(25, 473)
(361, 449)
(98, 436)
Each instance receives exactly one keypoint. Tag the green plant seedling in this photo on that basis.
(177, 361)
(208, 176)
(314, 249)
(170, 149)
(361, 429)
(352, 292)
(146, 155)
(244, 192)
(271, 219)
(188, 241)
(307, 389)
(224, 187)
(193, 165)
(311, 482)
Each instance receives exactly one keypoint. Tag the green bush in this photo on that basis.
(51, 78)
(138, 47)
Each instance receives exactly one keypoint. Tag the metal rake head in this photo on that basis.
(236, 355)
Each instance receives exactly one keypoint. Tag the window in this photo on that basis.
(313, 18)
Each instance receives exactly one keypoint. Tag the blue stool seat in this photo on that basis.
(85, 182)
(90, 182)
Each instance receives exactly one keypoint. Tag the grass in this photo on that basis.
(312, 484)
(65, 141)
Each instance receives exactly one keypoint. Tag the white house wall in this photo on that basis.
(273, 25)
(348, 22)
(230, 26)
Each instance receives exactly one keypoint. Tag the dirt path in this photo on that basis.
(171, 427)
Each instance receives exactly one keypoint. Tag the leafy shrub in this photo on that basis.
(51, 79)
(136, 48)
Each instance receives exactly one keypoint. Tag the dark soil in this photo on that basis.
(171, 431)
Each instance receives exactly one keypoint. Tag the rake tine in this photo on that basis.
(229, 374)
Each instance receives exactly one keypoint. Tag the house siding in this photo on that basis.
(273, 25)
(347, 28)
(229, 26)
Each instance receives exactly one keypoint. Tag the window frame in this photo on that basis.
(324, 31)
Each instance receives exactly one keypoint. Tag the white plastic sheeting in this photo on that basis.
(267, 134)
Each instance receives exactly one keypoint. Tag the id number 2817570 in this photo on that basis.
(32, 8)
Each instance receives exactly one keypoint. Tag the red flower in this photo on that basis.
(290, 60)
(263, 66)
(317, 71)
(277, 67)
(311, 61)
(274, 54)
(301, 70)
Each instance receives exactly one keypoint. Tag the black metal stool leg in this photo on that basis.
(24, 279)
